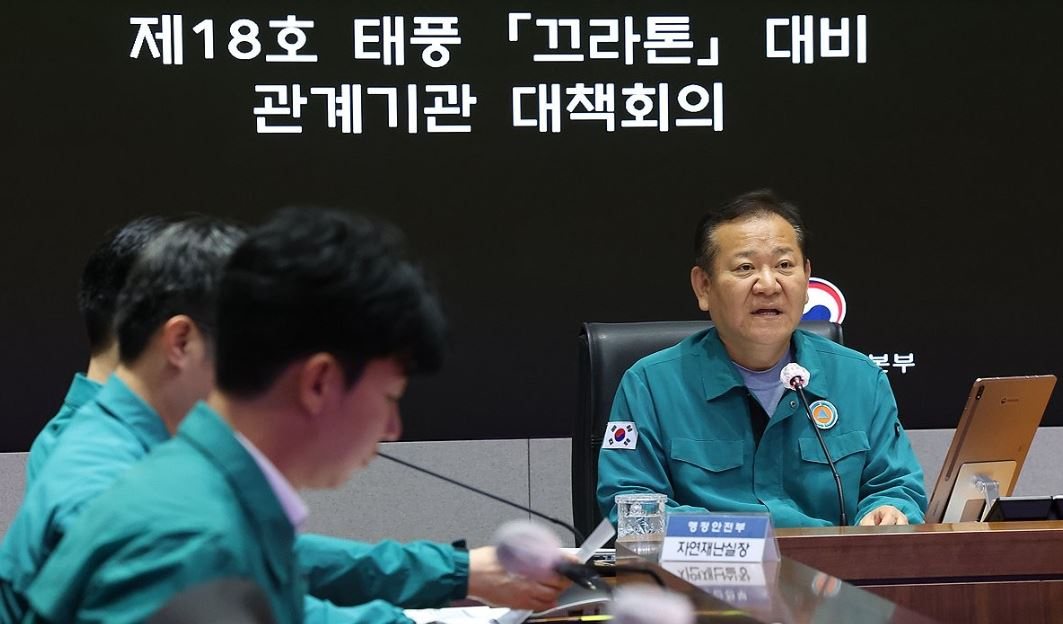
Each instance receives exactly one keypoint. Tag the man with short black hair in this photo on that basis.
(165, 317)
(716, 428)
(101, 280)
(321, 319)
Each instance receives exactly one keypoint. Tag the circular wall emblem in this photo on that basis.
(825, 302)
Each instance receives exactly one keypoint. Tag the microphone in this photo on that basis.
(795, 376)
(649, 605)
(561, 523)
(530, 550)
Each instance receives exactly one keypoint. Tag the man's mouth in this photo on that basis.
(767, 312)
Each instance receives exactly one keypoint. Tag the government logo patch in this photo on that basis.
(621, 435)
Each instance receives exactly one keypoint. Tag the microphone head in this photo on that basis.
(794, 376)
(527, 549)
(650, 605)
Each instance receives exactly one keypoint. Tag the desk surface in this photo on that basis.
(969, 573)
(791, 592)
(967, 550)
(958, 527)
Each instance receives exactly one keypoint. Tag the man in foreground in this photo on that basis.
(717, 430)
(320, 321)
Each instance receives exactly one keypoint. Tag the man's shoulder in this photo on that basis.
(46, 440)
(92, 419)
(51, 430)
(670, 358)
(131, 566)
(162, 501)
(118, 527)
(176, 471)
(93, 450)
(838, 355)
(92, 442)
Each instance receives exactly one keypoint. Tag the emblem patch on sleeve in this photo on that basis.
(621, 435)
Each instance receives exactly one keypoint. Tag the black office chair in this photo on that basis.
(607, 350)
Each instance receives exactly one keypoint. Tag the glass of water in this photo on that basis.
(640, 516)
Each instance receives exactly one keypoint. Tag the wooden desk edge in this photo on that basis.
(936, 552)
(934, 529)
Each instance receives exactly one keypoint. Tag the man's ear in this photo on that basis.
(319, 380)
(177, 335)
(699, 281)
(808, 276)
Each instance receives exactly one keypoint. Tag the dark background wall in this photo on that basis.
(927, 176)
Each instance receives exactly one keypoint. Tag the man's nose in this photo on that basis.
(767, 283)
(394, 430)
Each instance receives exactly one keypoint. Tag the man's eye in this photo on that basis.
(786, 264)
(744, 268)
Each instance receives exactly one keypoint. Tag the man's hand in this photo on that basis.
(884, 515)
(491, 584)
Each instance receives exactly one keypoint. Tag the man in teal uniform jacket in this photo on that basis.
(164, 368)
(311, 303)
(101, 280)
(120, 427)
(708, 421)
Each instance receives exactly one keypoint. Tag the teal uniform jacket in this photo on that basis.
(82, 390)
(695, 439)
(101, 441)
(198, 509)
(116, 430)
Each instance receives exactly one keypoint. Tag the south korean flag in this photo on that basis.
(621, 435)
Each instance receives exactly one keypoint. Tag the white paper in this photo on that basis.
(598, 538)
(456, 615)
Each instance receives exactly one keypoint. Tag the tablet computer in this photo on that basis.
(990, 444)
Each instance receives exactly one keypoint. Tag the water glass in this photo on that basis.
(640, 516)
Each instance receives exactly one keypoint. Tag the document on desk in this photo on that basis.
(491, 615)
(457, 615)
(598, 538)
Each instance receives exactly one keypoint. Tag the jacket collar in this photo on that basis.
(717, 376)
(122, 404)
(82, 390)
(806, 354)
(216, 440)
(717, 380)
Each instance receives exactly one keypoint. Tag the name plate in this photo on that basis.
(742, 585)
(744, 538)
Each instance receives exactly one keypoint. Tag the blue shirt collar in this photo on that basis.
(717, 380)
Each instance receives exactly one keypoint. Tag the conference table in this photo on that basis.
(970, 572)
(785, 591)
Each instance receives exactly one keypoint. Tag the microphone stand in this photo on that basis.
(799, 387)
(579, 536)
